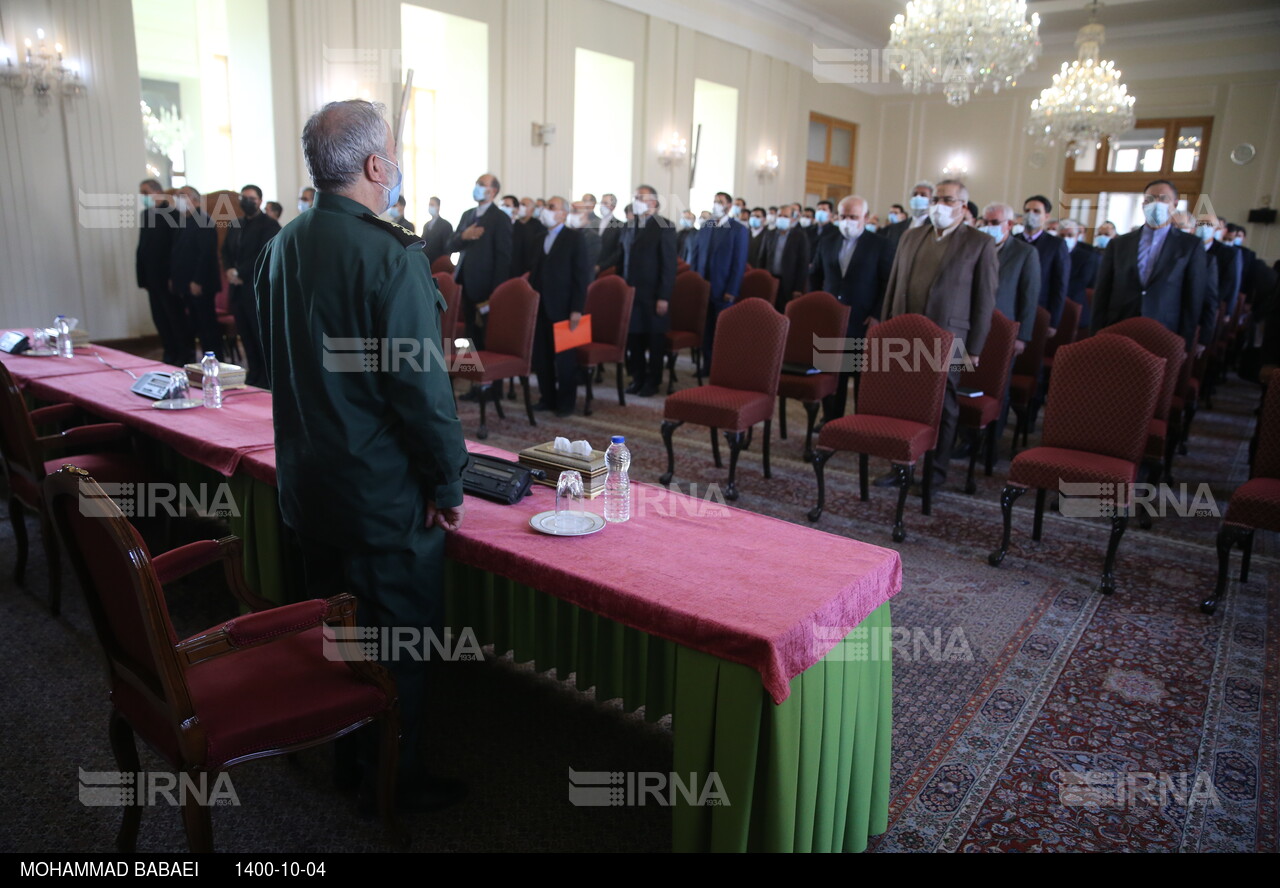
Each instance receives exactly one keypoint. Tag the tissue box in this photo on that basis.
(231, 375)
(553, 462)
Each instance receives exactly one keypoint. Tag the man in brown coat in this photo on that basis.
(948, 272)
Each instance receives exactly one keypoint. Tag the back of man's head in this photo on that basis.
(339, 138)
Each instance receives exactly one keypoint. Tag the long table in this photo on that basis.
(743, 627)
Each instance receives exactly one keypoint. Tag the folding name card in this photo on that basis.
(567, 339)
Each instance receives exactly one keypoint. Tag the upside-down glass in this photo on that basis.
(571, 517)
(179, 386)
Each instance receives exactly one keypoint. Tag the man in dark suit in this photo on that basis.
(527, 234)
(1236, 236)
(436, 233)
(483, 239)
(948, 272)
(194, 271)
(610, 234)
(853, 265)
(759, 236)
(1085, 262)
(561, 273)
(1055, 260)
(1215, 283)
(822, 224)
(721, 258)
(245, 239)
(1150, 272)
(687, 236)
(397, 216)
(787, 258)
(648, 265)
(921, 194)
(588, 203)
(579, 219)
(1017, 292)
(156, 231)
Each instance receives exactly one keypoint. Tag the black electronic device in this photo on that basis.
(497, 479)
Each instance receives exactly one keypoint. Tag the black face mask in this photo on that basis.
(249, 206)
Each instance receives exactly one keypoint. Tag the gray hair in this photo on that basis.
(923, 183)
(1071, 224)
(1006, 212)
(963, 189)
(339, 138)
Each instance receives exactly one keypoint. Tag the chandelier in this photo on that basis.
(1087, 100)
(963, 45)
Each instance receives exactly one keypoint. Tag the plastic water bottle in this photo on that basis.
(212, 384)
(66, 348)
(617, 486)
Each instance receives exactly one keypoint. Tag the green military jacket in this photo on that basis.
(365, 426)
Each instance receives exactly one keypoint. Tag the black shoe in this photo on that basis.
(887, 480)
(542, 407)
(423, 797)
(647, 392)
(961, 450)
(472, 396)
(564, 413)
(634, 388)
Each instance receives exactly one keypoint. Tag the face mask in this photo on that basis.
(783, 223)
(547, 217)
(248, 206)
(717, 211)
(1052, 233)
(510, 211)
(1217, 235)
(822, 217)
(1101, 241)
(770, 218)
(918, 203)
(756, 222)
(148, 202)
(1017, 228)
(184, 204)
(996, 232)
(479, 193)
(393, 193)
(942, 216)
(735, 211)
(1070, 242)
(605, 212)
(639, 207)
(303, 206)
(1204, 232)
(394, 212)
(1033, 220)
(894, 218)
(433, 211)
(522, 211)
(850, 228)
(574, 221)
(686, 222)
(1239, 242)
(872, 227)
(1156, 213)
(805, 221)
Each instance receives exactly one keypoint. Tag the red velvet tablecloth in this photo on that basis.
(25, 369)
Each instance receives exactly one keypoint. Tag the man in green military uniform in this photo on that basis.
(369, 450)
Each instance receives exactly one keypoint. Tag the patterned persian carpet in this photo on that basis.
(1031, 713)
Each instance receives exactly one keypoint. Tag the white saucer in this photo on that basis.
(177, 403)
(545, 522)
(42, 353)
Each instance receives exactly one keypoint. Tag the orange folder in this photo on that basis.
(567, 339)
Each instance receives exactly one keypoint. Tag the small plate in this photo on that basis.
(177, 403)
(41, 353)
(545, 522)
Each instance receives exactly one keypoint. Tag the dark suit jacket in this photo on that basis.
(1208, 318)
(436, 237)
(755, 247)
(720, 256)
(406, 225)
(893, 233)
(486, 261)
(1248, 272)
(649, 265)
(195, 256)
(591, 239)
(526, 244)
(611, 245)
(1229, 279)
(157, 230)
(561, 276)
(864, 282)
(1055, 273)
(686, 240)
(963, 295)
(1173, 295)
(795, 262)
(244, 241)
(1085, 262)
(1018, 293)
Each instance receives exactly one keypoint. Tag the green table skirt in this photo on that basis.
(809, 775)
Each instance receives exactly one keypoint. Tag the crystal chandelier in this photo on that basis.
(963, 45)
(1087, 100)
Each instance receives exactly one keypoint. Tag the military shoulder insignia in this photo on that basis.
(407, 240)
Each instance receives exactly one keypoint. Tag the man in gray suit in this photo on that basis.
(1018, 293)
(948, 272)
(1155, 271)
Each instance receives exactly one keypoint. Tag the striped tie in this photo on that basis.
(1144, 254)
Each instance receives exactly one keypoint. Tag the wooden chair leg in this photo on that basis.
(388, 766)
(1041, 493)
(905, 474)
(811, 419)
(819, 461)
(196, 819)
(782, 418)
(17, 517)
(715, 447)
(1247, 545)
(511, 389)
(495, 392)
(863, 461)
(735, 441)
(1118, 524)
(591, 375)
(1007, 498)
(926, 485)
(1229, 535)
(528, 404)
(991, 449)
(671, 372)
(126, 753)
(668, 428)
(622, 395)
(697, 364)
(971, 485)
(483, 431)
(768, 433)
(53, 558)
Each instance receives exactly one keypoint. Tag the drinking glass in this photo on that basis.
(571, 517)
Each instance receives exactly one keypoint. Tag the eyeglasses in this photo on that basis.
(992, 221)
(949, 201)
(1162, 198)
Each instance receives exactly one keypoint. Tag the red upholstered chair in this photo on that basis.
(27, 458)
(452, 294)
(745, 363)
(813, 314)
(1026, 379)
(259, 685)
(1068, 328)
(898, 411)
(1086, 332)
(759, 284)
(227, 322)
(1186, 401)
(513, 314)
(688, 313)
(606, 272)
(609, 304)
(1256, 503)
(1160, 341)
(979, 414)
(682, 266)
(1095, 433)
(442, 265)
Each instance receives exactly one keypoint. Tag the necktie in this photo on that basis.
(1144, 254)
(846, 254)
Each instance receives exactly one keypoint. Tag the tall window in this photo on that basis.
(829, 168)
(715, 137)
(446, 133)
(603, 112)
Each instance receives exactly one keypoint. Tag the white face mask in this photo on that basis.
(943, 216)
(479, 192)
(303, 206)
(1101, 241)
(894, 219)
(805, 221)
(1017, 228)
(717, 211)
(1070, 242)
(549, 217)
(783, 223)
(1034, 219)
(996, 232)
(1204, 232)
(919, 204)
(1156, 213)
(850, 228)
(639, 207)
(510, 211)
(770, 218)
(1239, 242)
(574, 221)
(522, 211)
(433, 211)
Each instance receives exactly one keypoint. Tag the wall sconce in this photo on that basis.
(44, 70)
(768, 167)
(673, 150)
(956, 166)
